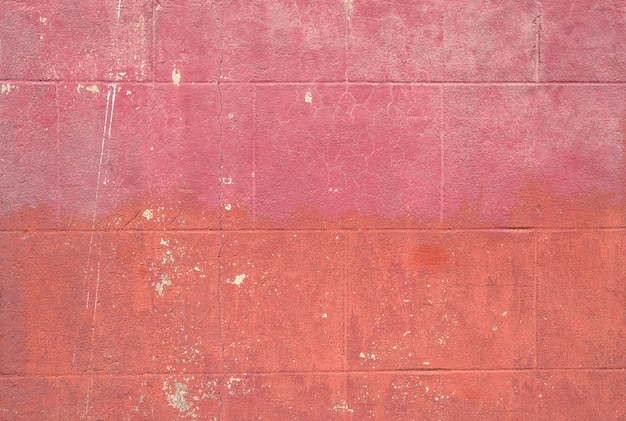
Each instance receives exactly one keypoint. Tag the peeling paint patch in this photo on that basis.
(177, 398)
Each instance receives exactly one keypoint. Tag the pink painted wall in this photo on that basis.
(349, 209)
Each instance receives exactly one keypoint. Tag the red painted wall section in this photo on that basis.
(304, 209)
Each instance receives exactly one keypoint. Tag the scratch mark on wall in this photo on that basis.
(106, 137)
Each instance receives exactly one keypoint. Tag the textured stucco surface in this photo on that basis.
(305, 209)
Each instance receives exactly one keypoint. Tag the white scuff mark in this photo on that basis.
(308, 97)
(504, 313)
(426, 363)
(238, 279)
(176, 77)
(129, 92)
(349, 7)
(106, 135)
(164, 243)
(230, 115)
(342, 407)
(324, 316)
(408, 332)
(43, 20)
(148, 214)
(227, 180)
(165, 280)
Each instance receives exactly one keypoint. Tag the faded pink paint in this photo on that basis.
(312, 210)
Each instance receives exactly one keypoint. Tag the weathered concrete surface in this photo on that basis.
(349, 209)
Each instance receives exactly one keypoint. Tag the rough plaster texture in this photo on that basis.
(306, 209)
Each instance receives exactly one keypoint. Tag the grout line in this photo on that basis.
(221, 211)
(254, 137)
(250, 373)
(538, 20)
(217, 230)
(318, 82)
(345, 301)
(155, 4)
(345, 318)
(57, 157)
(536, 289)
(346, 49)
(441, 156)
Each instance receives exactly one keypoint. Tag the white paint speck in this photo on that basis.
(228, 206)
(504, 313)
(164, 243)
(308, 97)
(43, 20)
(426, 363)
(324, 316)
(148, 214)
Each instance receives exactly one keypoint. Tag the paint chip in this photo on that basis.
(308, 97)
(148, 214)
(238, 279)
(176, 77)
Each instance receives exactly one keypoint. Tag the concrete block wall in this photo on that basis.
(306, 209)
